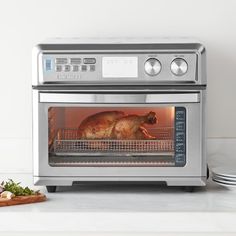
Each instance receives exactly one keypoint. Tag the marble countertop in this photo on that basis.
(124, 208)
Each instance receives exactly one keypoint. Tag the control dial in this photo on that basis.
(152, 66)
(179, 66)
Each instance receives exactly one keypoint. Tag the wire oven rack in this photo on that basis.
(67, 143)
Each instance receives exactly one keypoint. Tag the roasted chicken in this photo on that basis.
(116, 125)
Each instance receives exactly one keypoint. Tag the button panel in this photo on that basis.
(70, 68)
(180, 136)
(151, 68)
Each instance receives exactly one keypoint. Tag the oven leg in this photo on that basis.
(51, 189)
(208, 172)
(189, 189)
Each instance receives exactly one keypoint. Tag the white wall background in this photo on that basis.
(25, 23)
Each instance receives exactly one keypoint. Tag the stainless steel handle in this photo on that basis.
(119, 98)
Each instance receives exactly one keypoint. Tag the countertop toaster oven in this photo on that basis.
(119, 111)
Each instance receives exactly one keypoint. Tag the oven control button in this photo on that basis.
(179, 147)
(180, 137)
(75, 61)
(58, 68)
(152, 66)
(180, 126)
(92, 68)
(89, 60)
(179, 66)
(180, 115)
(75, 68)
(83, 68)
(61, 60)
(67, 68)
(180, 158)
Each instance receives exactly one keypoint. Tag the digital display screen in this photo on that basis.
(120, 67)
(48, 64)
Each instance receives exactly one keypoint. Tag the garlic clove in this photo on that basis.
(7, 195)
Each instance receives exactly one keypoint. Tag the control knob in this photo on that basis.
(152, 66)
(179, 66)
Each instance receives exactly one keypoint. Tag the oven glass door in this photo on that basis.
(118, 130)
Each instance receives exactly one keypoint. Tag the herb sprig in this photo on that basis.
(16, 189)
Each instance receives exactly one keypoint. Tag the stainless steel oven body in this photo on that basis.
(73, 79)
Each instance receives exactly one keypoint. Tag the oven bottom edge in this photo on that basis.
(169, 181)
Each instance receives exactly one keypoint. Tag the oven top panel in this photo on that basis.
(140, 65)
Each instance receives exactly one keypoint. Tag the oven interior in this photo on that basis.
(117, 136)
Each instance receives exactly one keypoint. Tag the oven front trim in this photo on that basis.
(114, 98)
(74, 180)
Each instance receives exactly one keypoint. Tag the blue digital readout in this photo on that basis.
(48, 65)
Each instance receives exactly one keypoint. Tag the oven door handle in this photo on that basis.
(119, 98)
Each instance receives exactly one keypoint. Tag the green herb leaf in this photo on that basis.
(18, 190)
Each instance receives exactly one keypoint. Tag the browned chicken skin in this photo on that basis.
(116, 125)
(99, 125)
(130, 127)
